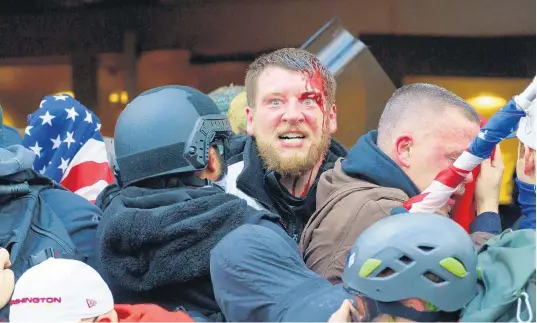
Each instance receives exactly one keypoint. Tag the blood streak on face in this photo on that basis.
(315, 83)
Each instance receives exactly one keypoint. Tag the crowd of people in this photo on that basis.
(271, 221)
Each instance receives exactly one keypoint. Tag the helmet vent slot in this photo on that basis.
(433, 277)
(386, 272)
(426, 248)
(406, 260)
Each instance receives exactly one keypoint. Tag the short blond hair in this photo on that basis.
(237, 114)
(293, 59)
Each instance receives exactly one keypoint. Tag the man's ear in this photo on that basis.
(250, 121)
(213, 170)
(414, 303)
(529, 160)
(403, 149)
(332, 119)
(212, 160)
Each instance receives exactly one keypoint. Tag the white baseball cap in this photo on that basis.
(526, 132)
(60, 290)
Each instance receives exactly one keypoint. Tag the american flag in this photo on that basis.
(66, 139)
(500, 126)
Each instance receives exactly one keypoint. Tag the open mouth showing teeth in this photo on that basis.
(291, 136)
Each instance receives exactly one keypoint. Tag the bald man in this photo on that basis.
(422, 130)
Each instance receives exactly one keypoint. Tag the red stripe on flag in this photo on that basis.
(461, 171)
(450, 177)
(415, 199)
(87, 174)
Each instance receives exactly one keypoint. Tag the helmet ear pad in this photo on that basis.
(166, 130)
(115, 171)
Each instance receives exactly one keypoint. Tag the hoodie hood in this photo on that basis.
(149, 313)
(366, 161)
(14, 159)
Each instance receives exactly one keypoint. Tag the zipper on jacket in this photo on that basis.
(53, 237)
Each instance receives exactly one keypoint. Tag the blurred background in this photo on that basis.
(105, 52)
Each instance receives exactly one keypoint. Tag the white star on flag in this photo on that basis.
(43, 170)
(47, 118)
(98, 128)
(65, 163)
(88, 118)
(36, 149)
(62, 97)
(41, 104)
(71, 113)
(482, 134)
(56, 142)
(27, 130)
(69, 139)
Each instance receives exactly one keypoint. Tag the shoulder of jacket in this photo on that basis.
(360, 191)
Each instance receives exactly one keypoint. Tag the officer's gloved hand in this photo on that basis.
(7, 278)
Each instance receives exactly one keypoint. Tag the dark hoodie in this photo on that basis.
(78, 216)
(264, 187)
(155, 242)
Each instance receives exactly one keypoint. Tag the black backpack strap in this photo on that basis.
(516, 225)
(44, 254)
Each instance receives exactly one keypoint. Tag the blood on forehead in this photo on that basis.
(314, 83)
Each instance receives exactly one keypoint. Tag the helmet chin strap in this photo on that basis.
(116, 173)
(373, 309)
(194, 180)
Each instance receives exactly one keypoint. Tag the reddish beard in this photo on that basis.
(297, 164)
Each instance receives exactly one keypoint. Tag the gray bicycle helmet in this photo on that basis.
(167, 130)
(414, 255)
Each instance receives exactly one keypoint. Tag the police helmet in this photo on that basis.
(167, 130)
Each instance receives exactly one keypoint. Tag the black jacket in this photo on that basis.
(154, 243)
(263, 186)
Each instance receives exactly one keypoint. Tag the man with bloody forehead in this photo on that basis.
(291, 115)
